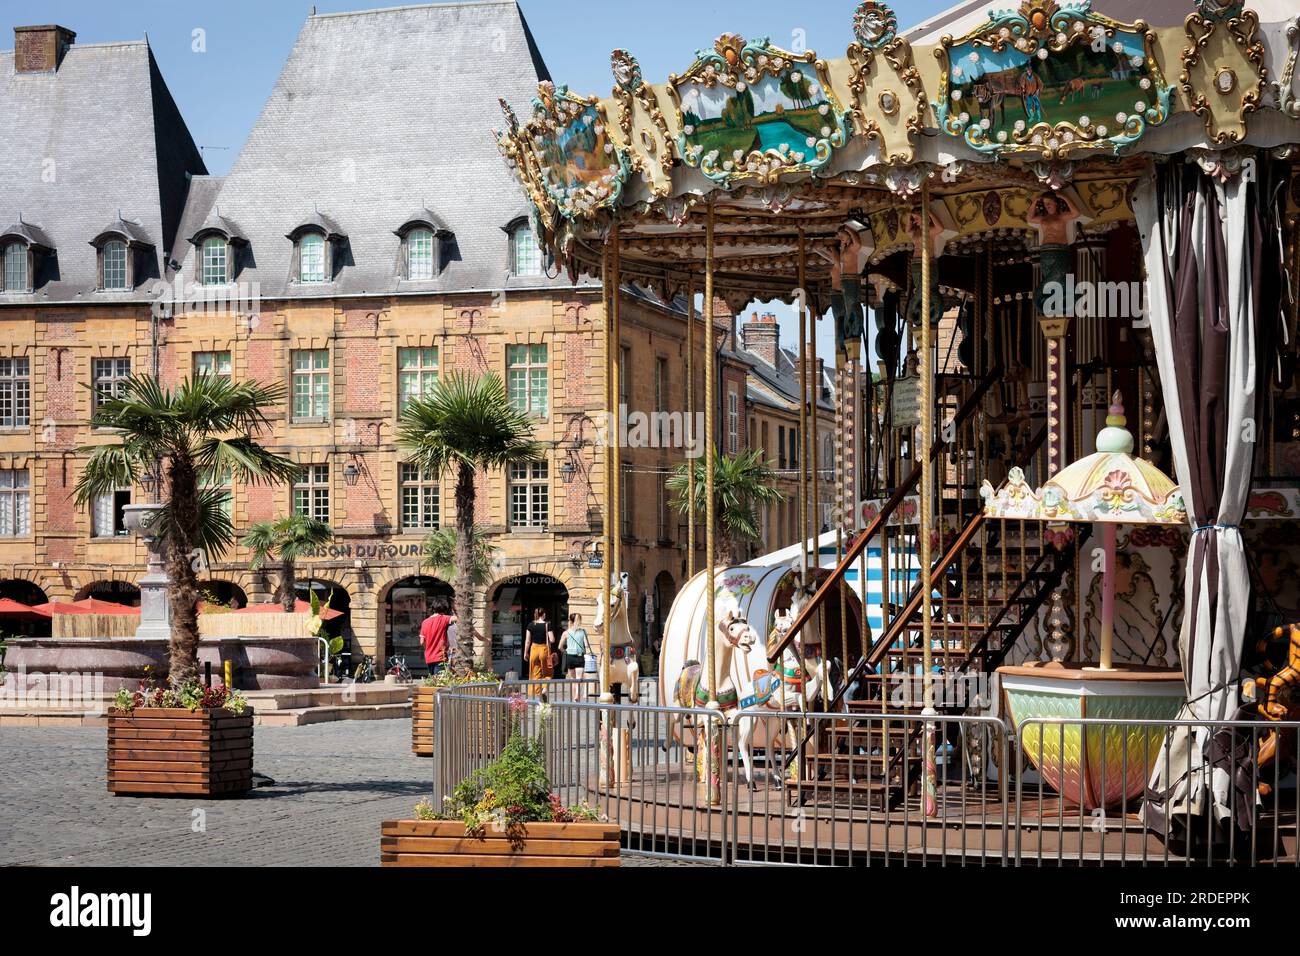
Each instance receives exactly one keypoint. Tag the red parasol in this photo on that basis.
(299, 607)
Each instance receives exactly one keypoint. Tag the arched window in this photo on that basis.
(420, 254)
(525, 254)
(15, 268)
(214, 269)
(113, 265)
(311, 257)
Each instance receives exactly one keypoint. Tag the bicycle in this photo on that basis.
(365, 673)
(397, 668)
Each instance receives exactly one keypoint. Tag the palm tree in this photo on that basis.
(741, 483)
(440, 555)
(184, 436)
(285, 540)
(465, 423)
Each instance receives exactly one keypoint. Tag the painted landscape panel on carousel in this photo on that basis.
(723, 128)
(579, 159)
(1002, 97)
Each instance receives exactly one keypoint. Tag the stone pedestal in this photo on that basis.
(155, 608)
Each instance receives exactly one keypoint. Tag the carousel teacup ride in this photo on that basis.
(1091, 766)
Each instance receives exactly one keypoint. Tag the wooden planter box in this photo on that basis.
(445, 843)
(161, 751)
(422, 721)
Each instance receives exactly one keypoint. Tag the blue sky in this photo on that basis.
(221, 88)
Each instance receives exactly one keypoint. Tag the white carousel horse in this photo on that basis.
(804, 676)
(623, 667)
(793, 687)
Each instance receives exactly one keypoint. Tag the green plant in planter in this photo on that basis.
(449, 678)
(515, 789)
(191, 695)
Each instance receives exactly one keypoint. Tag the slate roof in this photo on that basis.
(97, 140)
(778, 386)
(376, 116)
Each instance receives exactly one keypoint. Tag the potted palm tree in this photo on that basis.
(440, 548)
(285, 540)
(182, 737)
(465, 424)
(741, 484)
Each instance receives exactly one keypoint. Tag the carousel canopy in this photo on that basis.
(1109, 485)
(800, 157)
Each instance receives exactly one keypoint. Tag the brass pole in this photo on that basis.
(927, 490)
(709, 398)
(616, 372)
(690, 425)
(802, 444)
(611, 440)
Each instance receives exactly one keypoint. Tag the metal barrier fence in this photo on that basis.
(856, 792)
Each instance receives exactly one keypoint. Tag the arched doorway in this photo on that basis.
(407, 607)
(339, 600)
(513, 605)
(119, 592)
(226, 593)
(24, 592)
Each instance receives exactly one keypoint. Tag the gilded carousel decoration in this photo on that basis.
(582, 170)
(1051, 82)
(752, 112)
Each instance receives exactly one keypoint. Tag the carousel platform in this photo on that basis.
(662, 810)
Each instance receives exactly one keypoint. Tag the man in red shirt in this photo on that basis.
(433, 635)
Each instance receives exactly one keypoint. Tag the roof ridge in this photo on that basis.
(102, 45)
(410, 6)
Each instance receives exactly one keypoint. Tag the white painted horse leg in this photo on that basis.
(744, 743)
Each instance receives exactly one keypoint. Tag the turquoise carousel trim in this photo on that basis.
(582, 169)
(1076, 82)
(751, 112)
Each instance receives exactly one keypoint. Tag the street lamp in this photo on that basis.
(351, 473)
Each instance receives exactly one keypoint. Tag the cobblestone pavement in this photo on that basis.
(334, 783)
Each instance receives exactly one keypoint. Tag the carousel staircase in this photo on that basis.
(987, 587)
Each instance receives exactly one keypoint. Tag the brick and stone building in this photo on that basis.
(367, 239)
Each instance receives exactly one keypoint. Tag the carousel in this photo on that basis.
(1017, 220)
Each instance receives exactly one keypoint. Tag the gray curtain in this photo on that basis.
(1208, 263)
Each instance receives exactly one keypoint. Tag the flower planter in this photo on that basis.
(422, 721)
(445, 843)
(162, 751)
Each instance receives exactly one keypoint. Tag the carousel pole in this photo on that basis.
(690, 424)
(611, 440)
(616, 372)
(801, 304)
(710, 453)
(712, 751)
(927, 505)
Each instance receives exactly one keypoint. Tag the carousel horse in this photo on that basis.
(1278, 699)
(623, 667)
(801, 679)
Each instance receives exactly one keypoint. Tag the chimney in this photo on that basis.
(760, 335)
(41, 49)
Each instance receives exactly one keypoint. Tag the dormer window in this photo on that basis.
(311, 258)
(23, 249)
(419, 253)
(16, 272)
(113, 258)
(214, 267)
(525, 254)
(316, 243)
(118, 248)
(424, 244)
(216, 246)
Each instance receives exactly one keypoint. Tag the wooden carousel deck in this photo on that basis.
(662, 810)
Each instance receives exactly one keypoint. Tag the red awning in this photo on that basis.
(84, 606)
(299, 607)
(11, 608)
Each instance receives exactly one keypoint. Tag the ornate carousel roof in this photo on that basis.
(798, 157)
